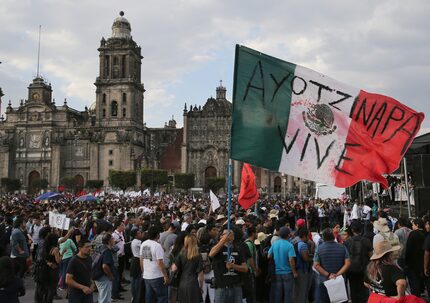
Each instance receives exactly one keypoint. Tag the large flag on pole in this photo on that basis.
(294, 120)
(248, 188)
(214, 201)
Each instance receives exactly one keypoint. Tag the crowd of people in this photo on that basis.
(172, 248)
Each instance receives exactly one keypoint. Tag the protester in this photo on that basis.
(414, 257)
(11, 286)
(154, 272)
(19, 248)
(360, 249)
(384, 277)
(228, 288)
(190, 272)
(78, 276)
(135, 270)
(104, 282)
(331, 260)
(282, 252)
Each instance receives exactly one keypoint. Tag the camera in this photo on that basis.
(211, 282)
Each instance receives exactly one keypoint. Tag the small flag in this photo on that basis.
(248, 189)
(214, 201)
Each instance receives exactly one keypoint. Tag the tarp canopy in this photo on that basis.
(50, 196)
(328, 192)
(84, 198)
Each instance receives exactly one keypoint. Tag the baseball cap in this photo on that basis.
(300, 223)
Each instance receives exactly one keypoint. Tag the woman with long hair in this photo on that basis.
(190, 272)
(11, 286)
(384, 277)
(173, 256)
(46, 290)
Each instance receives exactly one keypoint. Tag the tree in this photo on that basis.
(41, 184)
(122, 179)
(154, 177)
(215, 184)
(184, 181)
(94, 184)
(68, 183)
(10, 184)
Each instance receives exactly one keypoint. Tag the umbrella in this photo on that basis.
(88, 197)
(50, 196)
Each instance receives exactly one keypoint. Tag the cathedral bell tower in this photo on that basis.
(119, 93)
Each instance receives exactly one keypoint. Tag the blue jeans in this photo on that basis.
(135, 288)
(281, 289)
(228, 295)
(115, 283)
(155, 291)
(63, 269)
(104, 285)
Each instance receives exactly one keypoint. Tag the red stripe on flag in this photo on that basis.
(248, 188)
(380, 133)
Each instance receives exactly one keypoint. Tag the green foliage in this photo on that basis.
(41, 184)
(94, 184)
(184, 181)
(154, 177)
(215, 184)
(122, 179)
(10, 184)
(69, 183)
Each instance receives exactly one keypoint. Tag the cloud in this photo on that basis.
(188, 46)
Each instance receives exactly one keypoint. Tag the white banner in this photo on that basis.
(58, 221)
(214, 201)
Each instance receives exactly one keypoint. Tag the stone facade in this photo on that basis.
(206, 138)
(40, 140)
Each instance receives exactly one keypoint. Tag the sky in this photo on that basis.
(188, 46)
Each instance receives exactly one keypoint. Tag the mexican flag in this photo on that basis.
(291, 119)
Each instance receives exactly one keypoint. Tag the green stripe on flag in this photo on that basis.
(261, 107)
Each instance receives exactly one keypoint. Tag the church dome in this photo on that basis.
(121, 27)
(92, 107)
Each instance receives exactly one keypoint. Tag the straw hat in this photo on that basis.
(273, 214)
(381, 248)
(220, 217)
(260, 238)
(381, 225)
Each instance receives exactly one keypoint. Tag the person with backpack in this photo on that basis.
(248, 287)
(103, 269)
(360, 250)
(303, 282)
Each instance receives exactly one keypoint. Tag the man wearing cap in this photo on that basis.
(331, 260)
(282, 251)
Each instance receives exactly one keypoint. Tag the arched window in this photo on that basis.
(124, 98)
(124, 112)
(115, 68)
(104, 113)
(104, 99)
(123, 67)
(107, 64)
(114, 109)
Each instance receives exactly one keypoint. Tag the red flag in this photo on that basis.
(248, 189)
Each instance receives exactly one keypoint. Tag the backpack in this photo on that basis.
(357, 255)
(97, 265)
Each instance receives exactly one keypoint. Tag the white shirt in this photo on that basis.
(135, 247)
(35, 229)
(354, 212)
(119, 242)
(151, 251)
(184, 226)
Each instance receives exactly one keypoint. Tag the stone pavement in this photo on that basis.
(30, 288)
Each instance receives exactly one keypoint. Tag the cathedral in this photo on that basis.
(41, 139)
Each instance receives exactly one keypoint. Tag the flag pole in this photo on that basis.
(228, 205)
(407, 187)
